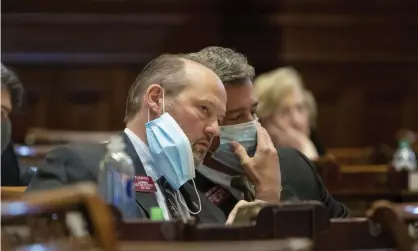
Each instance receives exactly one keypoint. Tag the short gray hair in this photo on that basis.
(11, 82)
(230, 66)
(166, 70)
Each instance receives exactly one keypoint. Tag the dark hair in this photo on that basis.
(11, 82)
(230, 66)
(166, 70)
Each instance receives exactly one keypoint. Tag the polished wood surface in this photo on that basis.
(20, 189)
(12, 192)
(267, 245)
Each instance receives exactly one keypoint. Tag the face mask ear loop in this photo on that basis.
(198, 198)
(163, 103)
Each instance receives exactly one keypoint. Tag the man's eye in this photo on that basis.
(205, 109)
(235, 117)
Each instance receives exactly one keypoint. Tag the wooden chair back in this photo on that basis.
(351, 155)
(398, 221)
(73, 214)
(368, 178)
(377, 155)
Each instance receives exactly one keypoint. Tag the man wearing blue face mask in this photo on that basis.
(241, 159)
(172, 113)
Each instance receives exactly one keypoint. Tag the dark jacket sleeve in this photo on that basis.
(26, 173)
(335, 208)
(66, 165)
(287, 193)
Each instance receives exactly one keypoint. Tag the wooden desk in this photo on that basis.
(267, 245)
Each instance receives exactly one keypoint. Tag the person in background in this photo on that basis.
(13, 173)
(287, 110)
(244, 149)
(313, 114)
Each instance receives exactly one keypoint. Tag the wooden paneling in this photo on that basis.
(361, 62)
(78, 58)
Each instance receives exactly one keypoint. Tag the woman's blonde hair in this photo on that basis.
(273, 86)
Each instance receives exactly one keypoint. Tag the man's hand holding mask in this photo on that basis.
(262, 169)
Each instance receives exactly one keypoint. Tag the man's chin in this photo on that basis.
(198, 159)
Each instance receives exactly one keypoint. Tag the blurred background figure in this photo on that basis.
(288, 111)
(12, 172)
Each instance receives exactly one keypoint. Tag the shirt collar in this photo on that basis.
(144, 154)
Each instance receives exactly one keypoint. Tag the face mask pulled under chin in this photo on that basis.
(172, 153)
(245, 134)
(6, 132)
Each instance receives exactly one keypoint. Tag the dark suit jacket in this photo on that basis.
(10, 173)
(80, 162)
(301, 176)
(13, 172)
(300, 181)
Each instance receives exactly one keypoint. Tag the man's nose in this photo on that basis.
(212, 130)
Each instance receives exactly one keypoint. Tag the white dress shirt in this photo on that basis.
(145, 156)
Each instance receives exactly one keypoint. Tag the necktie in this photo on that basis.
(242, 184)
(172, 203)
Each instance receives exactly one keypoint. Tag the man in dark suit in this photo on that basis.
(186, 91)
(217, 177)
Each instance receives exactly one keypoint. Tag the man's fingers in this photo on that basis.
(264, 143)
(260, 136)
(267, 138)
(241, 153)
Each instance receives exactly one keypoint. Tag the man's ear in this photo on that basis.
(153, 97)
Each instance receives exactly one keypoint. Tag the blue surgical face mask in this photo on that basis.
(245, 134)
(171, 151)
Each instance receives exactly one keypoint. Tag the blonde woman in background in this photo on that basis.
(286, 110)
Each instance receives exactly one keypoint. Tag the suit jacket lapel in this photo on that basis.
(209, 212)
(144, 200)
